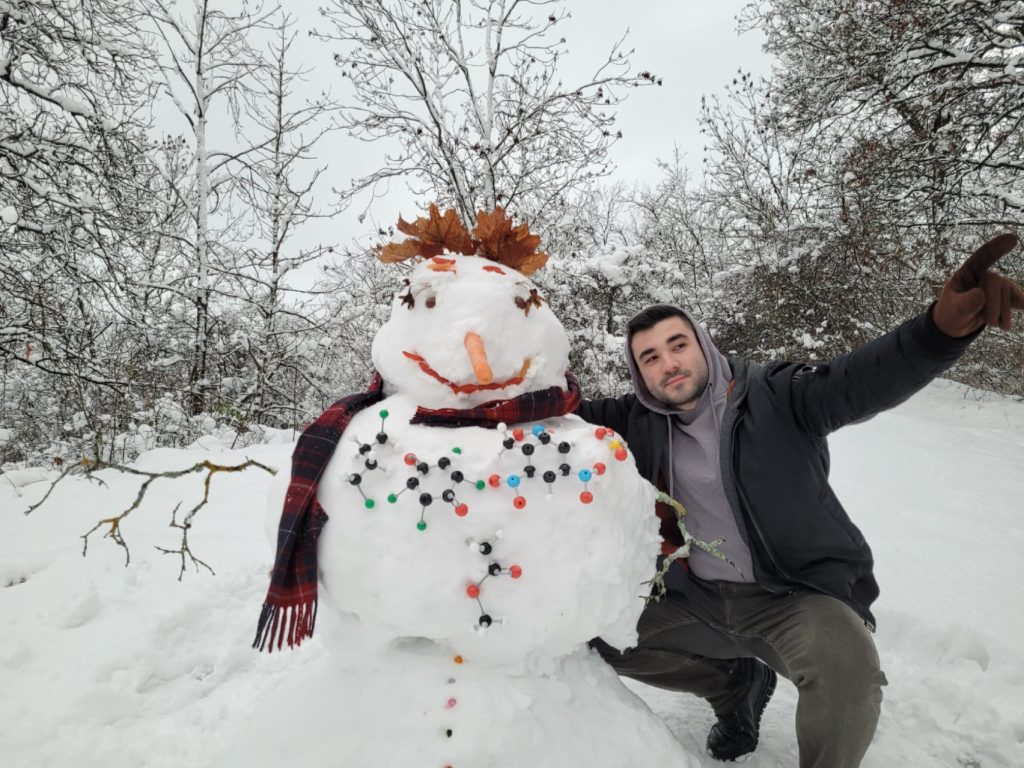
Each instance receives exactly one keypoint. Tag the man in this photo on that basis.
(743, 448)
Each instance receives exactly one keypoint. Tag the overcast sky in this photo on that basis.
(691, 44)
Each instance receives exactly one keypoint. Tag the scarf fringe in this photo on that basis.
(282, 624)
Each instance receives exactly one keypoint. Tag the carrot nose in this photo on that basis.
(478, 357)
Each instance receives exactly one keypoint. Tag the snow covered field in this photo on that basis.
(103, 665)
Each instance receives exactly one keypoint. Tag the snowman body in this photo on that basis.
(480, 606)
(495, 552)
(470, 566)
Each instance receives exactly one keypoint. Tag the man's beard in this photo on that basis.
(690, 392)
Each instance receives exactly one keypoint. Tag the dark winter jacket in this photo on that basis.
(775, 459)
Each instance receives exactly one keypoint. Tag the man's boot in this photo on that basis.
(736, 733)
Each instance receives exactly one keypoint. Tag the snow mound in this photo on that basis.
(160, 674)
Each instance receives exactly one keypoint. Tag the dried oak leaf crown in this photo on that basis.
(515, 247)
(493, 238)
(429, 237)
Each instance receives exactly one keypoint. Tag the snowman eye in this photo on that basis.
(533, 300)
(427, 295)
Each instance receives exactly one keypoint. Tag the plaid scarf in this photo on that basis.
(289, 611)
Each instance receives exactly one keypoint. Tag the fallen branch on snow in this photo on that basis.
(88, 467)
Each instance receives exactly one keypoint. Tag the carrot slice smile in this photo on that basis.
(463, 389)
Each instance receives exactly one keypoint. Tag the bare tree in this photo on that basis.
(209, 60)
(278, 185)
(470, 96)
(674, 224)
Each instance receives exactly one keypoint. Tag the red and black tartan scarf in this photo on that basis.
(289, 611)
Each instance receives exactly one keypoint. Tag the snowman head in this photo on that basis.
(466, 329)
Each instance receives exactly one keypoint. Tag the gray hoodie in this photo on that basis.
(692, 465)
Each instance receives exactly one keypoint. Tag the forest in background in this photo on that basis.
(153, 289)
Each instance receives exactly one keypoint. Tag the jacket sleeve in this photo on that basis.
(612, 412)
(874, 377)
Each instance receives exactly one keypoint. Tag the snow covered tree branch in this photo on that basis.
(933, 90)
(207, 57)
(278, 184)
(470, 95)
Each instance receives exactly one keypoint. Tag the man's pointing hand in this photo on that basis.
(975, 297)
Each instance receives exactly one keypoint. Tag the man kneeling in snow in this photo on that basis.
(743, 447)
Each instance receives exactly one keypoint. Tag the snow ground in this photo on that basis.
(107, 665)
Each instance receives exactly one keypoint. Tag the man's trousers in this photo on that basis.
(689, 643)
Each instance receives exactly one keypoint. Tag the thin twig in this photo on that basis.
(53, 485)
(711, 547)
(184, 549)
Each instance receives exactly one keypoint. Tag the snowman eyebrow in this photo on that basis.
(533, 300)
(439, 264)
(492, 268)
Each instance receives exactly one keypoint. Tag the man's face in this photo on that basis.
(671, 362)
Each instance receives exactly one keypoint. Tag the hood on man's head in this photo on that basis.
(719, 373)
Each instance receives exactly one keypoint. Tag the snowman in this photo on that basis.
(471, 534)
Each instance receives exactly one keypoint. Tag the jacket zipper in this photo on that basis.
(745, 506)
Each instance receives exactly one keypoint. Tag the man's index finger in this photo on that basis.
(969, 275)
